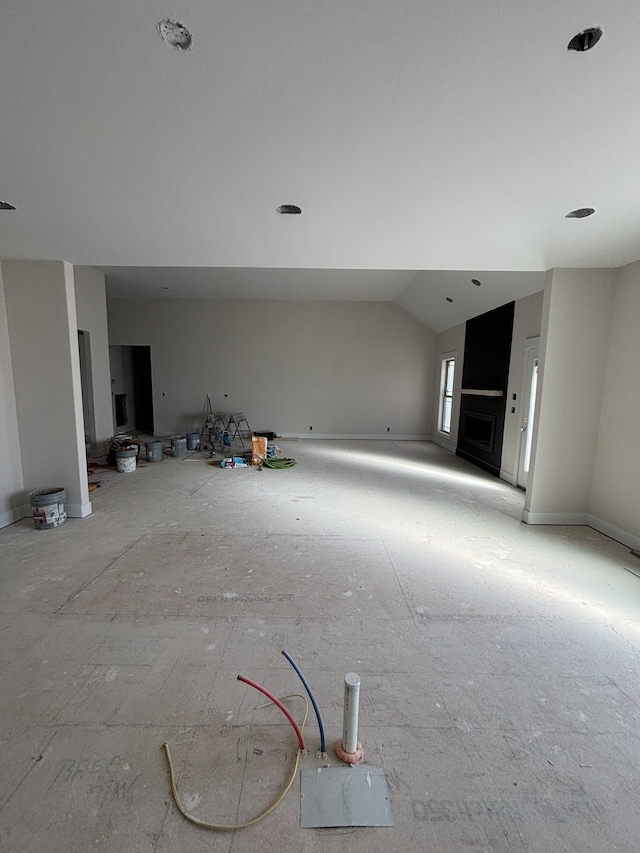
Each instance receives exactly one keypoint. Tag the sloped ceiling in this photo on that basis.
(417, 137)
(424, 294)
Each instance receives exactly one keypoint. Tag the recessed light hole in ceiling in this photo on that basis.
(289, 208)
(175, 34)
(476, 282)
(4, 205)
(449, 299)
(586, 39)
(580, 213)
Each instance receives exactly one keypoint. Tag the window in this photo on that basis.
(446, 392)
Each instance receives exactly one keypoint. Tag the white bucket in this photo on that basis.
(126, 461)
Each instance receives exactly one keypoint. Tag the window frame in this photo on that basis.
(446, 359)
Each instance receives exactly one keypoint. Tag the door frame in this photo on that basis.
(527, 406)
(86, 384)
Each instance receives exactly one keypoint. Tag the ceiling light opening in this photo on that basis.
(175, 34)
(289, 208)
(4, 205)
(476, 282)
(449, 299)
(580, 213)
(586, 39)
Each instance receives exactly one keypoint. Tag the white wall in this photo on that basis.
(527, 321)
(615, 490)
(348, 368)
(41, 312)
(573, 350)
(91, 310)
(12, 502)
(447, 342)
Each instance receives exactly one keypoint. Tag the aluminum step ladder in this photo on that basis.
(235, 428)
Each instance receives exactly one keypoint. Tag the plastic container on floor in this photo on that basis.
(178, 446)
(154, 451)
(49, 507)
(126, 460)
(193, 440)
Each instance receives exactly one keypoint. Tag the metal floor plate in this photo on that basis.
(344, 796)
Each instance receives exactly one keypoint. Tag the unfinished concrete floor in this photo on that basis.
(499, 662)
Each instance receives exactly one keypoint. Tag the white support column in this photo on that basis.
(43, 334)
(574, 341)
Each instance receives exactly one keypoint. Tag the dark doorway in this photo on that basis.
(122, 410)
(142, 388)
(86, 380)
(131, 388)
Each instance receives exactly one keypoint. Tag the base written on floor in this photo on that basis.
(340, 796)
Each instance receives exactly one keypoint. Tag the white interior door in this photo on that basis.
(528, 398)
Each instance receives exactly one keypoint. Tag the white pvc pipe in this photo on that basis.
(351, 702)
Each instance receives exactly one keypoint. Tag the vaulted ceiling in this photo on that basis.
(426, 142)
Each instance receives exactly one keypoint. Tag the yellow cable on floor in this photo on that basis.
(230, 827)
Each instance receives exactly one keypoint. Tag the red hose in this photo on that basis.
(279, 704)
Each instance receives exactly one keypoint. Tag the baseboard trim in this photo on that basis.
(584, 519)
(613, 532)
(355, 437)
(17, 514)
(445, 445)
(571, 518)
(79, 510)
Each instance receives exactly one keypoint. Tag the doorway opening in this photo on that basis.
(131, 388)
(86, 383)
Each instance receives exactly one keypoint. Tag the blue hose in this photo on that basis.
(323, 744)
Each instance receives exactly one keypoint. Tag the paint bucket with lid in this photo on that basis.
(193, 440)
(178, 446)
(154, 451)
(126, 460)
(49, 507)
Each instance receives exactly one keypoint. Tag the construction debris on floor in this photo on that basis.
(500, 662)
(234, 462)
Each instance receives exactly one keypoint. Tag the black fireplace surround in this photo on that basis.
(487, 353)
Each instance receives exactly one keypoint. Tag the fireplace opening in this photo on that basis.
(479, 429)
